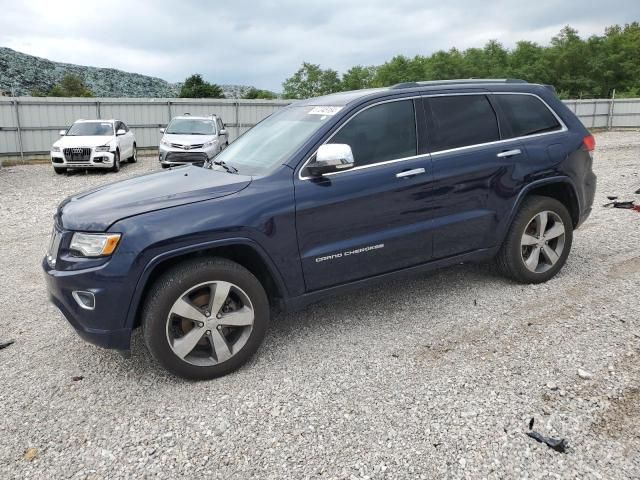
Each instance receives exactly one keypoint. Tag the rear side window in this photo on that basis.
(384, 132)
(462, 120)
(526, 115)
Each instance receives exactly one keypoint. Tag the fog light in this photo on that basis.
(86, 300)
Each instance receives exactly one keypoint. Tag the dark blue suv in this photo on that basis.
(325, 195)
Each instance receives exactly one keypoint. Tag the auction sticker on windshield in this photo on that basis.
(324, 110)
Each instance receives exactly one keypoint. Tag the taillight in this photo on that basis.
(589, 143)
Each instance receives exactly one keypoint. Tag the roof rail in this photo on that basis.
(430, 83)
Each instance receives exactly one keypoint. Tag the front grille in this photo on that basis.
(186, 157)
(77, 154)
(190, 147)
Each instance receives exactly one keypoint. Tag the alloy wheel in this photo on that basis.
(543, 241)
(209, 323)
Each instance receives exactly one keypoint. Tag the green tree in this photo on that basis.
(577, 67)
(311, 81)
(196, 87)
(254, 93)
(399, 69)
(70, 86)
(358, 77)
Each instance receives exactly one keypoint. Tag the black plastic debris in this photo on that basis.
(77, 378)
(557, 444)
(610, 197)
(637, 192)
(629, 204)
(6, 344)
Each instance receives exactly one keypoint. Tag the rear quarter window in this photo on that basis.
(526, 115)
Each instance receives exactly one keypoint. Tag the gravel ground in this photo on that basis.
(431, 377)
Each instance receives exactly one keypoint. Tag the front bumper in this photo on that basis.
(103, 326)
(96, 160)
(169, 156)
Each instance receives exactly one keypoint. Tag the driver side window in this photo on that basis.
(380, 133)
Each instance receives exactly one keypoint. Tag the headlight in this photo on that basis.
(95, 244)
(165, 143)
(103, 148)
(210, 144)
(55, 149)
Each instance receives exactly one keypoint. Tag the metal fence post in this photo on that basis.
(169, 110)
(19, 127)
(98, 109)
(595, 110)
(611, 108)
(237, 119)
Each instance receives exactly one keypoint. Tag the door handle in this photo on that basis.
(509, 153)
(410, 173)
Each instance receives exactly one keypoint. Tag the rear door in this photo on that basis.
(472, 171)
(130, 138)
(223, 139)
(370, 219)
(531, 120)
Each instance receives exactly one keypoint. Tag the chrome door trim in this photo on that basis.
(411, 173)
(509, 153)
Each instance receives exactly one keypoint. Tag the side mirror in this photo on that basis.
(122, 131)
(331, 157)
(223, 131)
(62, 133)
(162, 130)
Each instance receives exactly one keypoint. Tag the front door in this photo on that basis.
(370, 219)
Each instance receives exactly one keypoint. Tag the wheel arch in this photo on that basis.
(245, 252)
(559, 188)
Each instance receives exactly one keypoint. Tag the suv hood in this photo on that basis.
(95, 210)
(82, 141)
(183, 139)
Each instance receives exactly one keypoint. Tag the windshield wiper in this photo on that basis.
(221, 163)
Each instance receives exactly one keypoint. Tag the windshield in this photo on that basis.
(273, 140)
(191, 126)
(96, 129)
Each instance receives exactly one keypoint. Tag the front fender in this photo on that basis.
(156, 261)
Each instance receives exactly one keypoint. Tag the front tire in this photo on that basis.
(116, 162)
(538, 242)
(205, 318)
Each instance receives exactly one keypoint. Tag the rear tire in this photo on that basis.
(116, 162)
(538, 242)
(60, 170)
(201, 283)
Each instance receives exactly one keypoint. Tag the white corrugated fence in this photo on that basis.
(29, 125)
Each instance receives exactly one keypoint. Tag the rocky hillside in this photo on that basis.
(24, 74)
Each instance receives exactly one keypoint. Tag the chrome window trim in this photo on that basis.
(563, 128)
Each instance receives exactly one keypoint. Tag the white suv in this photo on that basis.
(94, 144)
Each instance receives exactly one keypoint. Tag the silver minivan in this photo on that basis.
(192, 140)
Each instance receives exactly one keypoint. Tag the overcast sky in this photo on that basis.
(261, 43)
